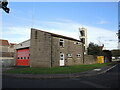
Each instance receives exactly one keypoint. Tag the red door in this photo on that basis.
(23, 57)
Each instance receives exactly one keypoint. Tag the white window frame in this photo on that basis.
(69, 55)
(78, 55)
(78, 43)
(61, 40)
(62, 60)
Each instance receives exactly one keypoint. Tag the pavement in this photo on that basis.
(96, 71)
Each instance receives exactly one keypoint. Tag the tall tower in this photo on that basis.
(118, 25)
(83, 38)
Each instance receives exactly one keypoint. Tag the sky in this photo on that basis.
(64, 18)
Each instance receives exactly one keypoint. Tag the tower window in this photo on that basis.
(83, 40)
(82, 33)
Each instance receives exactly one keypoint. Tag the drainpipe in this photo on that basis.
(83, 50)
(51, 51)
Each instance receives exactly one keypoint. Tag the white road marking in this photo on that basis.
(93, 84)
(96, 69)
(110, 68)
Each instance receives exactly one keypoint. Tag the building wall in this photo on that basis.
(7, 56)
(40, 49)
(4, 48)
(11, 49)
(45, 50)
(70, 47)
(55, 51)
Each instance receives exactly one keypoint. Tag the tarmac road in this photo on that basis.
(110, 79)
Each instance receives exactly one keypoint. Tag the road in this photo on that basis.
(110, 79)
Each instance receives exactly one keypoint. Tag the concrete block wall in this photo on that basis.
(90, 59)
(74, 49)
(70, 47)
(40, 49)
(45, 50)
(55, 52)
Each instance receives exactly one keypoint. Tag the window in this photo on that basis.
(21, 57)
(24, 57)
(18, 58)
(69, 55)
(83, 40)
(61, 56)
(61, 42)
(74, 42)
(78, 43)
(28, 57)
(78, 55)
(82, 33)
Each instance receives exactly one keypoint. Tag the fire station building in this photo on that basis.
(45, 49)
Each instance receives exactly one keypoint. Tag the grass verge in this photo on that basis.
(56, 70)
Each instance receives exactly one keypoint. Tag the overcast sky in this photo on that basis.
(64, 18)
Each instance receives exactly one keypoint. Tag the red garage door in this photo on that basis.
(23, 57)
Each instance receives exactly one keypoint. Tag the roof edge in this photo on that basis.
(57, 35)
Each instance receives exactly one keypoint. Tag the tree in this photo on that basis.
(94, 49)
(115, 53)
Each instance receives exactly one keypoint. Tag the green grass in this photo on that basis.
(57, 70)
